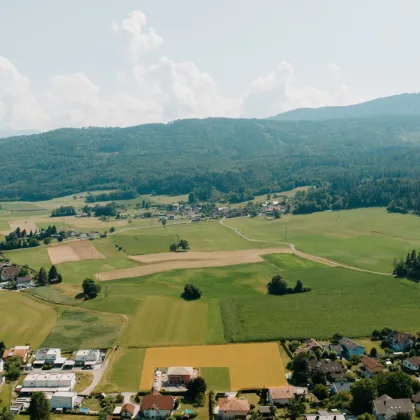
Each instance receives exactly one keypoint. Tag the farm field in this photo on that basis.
(73, 251)
(367, 238)
(24, 320)
(250, 365)
(157, 263)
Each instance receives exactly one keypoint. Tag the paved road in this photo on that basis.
(305, 255)
(97, 376)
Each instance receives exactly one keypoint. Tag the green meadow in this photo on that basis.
(367, 238)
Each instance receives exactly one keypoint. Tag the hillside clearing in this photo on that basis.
(74, 251)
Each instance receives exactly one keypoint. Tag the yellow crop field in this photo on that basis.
(250, 365)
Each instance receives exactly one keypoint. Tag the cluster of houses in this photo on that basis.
(51, 374)
(10, 272)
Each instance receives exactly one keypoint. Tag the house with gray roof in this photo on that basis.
(351, 348)
(387, 408)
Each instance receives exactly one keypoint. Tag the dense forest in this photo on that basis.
(350, 163)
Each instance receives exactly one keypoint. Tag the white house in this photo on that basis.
(64, 382)
(1, 366)
(64, 400)
(413, 363)
(83, 356)
(49, 355)
(325, 415)
(155, 405)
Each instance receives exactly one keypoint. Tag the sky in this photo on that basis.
(127, 62)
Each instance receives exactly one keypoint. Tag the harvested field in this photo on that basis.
(23, 225)
(250, 365)
(181, 260)
(75, 251)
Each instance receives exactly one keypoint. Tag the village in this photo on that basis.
(339, 380)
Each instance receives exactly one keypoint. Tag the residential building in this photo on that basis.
(282, 395)
(333, 348)
(351, 348)
(156, 405)
(129, 411)
(400, 341)
(22, 282)
(370, 367)
(60, 382)
(88, 356)
(1, 366)
(309, 345)
(386, 408)
(328, 367)
(264, 411)
(49, 355)
(18, 351)
(416, 400)
(337, 387)
(9, 273)
(63, 400)
(233, 408)
(413, 363)
(181, 375)
(325, 415)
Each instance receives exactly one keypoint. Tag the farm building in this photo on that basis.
(18, 351)
(387, 408)
(283, 394)
(181, 375)
(156, 405)
(233, 408)
(63, 400)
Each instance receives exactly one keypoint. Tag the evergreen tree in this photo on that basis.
(39, 407)
(53, 273)
(42, 277)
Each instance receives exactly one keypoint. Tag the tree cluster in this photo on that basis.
(64, 211)
(39, 407)
(111, 196)
(181, 245)
(53, 276)
(12, 367)
(196, 390)
(191, 292)
(91, 288)
(278, 286)
(410, 268)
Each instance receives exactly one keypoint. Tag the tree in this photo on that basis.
(395, 384)
(296, 408)
(195, 387)
(277, 286)
(363, 393)
(39, 407)
(191, 292)
(336, 338)
(173, 247)
(319, 377)
(2, 348)
(300, 367)
(24, 271)
(373, 352)
(211, 405)
(47, 240)
(299, 286)
(60, 239)
(12, 368)
(365, 416)
(91, 288)
(53, 273)
(199, 399)
(59, 278)
(321, 392)
(42, 277)
(6, 414)
(112, 229)
(184, 245)
(191, 198)
(403, 416)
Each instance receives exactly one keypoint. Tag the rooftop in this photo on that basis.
(157, 401)
(180, 370)
(233, 404)
(387, 406)
(348, 343)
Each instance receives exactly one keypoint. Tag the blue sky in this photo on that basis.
(126, 62)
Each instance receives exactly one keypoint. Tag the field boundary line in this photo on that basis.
(307, 256)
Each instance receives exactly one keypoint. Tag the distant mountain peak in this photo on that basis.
(403, 104)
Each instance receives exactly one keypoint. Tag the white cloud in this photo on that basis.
(334, 71)
(140, 37)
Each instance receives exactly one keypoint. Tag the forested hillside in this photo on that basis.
(405, 104)
(235, 158)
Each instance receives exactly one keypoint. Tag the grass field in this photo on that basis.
(217, 378)
(24, 320)
(250, 365)
(366, 238)
(78, 328)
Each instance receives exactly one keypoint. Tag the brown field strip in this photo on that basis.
(180, 260)
(254, 365)
(28, 226)
(75, 251)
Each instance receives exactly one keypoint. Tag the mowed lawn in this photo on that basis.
(80, 328)
(203, 236)
(250, 365)
(24, 320)
(217, 378)
(367, 238)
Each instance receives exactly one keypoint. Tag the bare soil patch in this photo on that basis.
(23, 225)
(156, 263)
(75, 251)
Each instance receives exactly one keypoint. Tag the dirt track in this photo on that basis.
(75, 251)
(180, 260)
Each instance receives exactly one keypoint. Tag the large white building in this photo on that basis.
(49, 355)
(62, 382)
(64, 400)
(88, 356)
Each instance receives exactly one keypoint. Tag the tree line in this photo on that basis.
(22, 239)
(409, 268)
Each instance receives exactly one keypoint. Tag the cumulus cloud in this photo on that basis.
(161, 89)
(141, 38)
